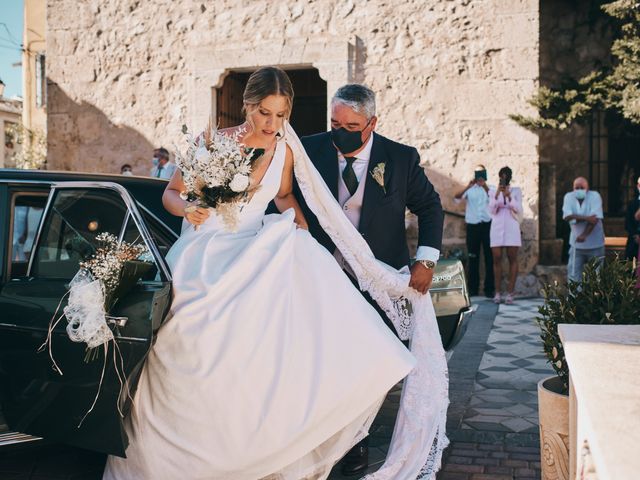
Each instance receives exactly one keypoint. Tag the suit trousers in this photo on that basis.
(478, 238)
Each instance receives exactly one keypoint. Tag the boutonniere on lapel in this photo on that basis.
(378, 175)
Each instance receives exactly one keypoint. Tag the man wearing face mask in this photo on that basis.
(162, 167)
(375, 180)
(582, 208)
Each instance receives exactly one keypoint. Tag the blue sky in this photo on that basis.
(11, 16)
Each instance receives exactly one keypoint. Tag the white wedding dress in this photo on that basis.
(272, 364)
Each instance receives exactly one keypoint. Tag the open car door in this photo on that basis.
(36, 399)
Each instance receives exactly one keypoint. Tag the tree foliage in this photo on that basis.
(31, 151)
(614, 88)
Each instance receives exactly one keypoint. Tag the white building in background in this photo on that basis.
(10, 115)
(34, 78)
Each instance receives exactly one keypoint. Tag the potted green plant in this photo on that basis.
(607, 295)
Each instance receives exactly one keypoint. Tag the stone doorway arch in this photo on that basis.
(309, 113)
(334, 59)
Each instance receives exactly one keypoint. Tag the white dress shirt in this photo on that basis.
(591, 205)
(361, 167)
(166, 171)
(477, 210)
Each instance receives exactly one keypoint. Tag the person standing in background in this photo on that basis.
(162, 167)
(126, 170)
(582, 208)
(505, 206)
(478, 223)
(632, 225)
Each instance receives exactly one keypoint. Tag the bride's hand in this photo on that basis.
(196, 215)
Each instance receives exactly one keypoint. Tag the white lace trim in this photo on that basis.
(85, 311)
(419, 435)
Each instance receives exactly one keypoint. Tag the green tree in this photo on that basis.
(31, 151)
(615, 88)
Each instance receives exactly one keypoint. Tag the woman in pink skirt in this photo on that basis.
(505, 206)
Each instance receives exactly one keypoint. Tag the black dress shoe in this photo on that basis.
(356, 461)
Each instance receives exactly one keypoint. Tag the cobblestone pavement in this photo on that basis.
(492, 420)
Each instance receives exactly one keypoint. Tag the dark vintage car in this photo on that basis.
(49, 222)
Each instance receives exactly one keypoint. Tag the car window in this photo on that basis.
(69, 232)
(26, 213)
(133, 236)
(163, 236)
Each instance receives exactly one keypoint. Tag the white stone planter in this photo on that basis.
(553, 412)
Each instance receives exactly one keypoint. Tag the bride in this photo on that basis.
(272, 365)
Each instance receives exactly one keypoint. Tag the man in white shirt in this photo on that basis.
(478, 222)
(582, 208)
(162, 167)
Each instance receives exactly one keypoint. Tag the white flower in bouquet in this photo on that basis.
(215, 171)
(239, 183)
(202, 155)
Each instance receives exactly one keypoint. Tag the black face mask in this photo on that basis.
(347, 141)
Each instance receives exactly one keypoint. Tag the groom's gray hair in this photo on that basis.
(359, 98)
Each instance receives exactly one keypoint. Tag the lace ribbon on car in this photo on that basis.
(419, 435)
(87, 322)
(85, 311)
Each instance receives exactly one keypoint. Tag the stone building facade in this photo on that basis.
(573, 41)
(124, 75)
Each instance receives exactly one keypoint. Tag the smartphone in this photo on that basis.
(481, 174)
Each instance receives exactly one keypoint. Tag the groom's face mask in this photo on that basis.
(348, 141)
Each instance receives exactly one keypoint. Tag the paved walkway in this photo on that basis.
(492, 420)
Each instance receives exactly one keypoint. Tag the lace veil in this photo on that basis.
(419, 435)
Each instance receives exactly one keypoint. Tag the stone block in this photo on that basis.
(551, 251)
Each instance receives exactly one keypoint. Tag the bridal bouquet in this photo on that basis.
(215, 171)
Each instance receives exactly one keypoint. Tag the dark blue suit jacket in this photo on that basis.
(382, 220)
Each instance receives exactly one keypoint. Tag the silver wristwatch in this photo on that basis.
(427, 264)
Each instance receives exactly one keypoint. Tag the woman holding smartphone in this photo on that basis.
(505, 206)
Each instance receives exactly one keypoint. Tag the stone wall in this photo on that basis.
(574, 38)
(125, 74)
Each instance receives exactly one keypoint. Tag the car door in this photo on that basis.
(21, 207)
(35, 398)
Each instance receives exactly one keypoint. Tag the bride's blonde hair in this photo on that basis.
(262, 83)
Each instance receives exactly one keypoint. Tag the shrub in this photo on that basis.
(607, 295)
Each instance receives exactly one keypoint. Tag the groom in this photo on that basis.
(375, 180)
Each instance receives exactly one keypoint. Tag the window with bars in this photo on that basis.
(614, 161)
